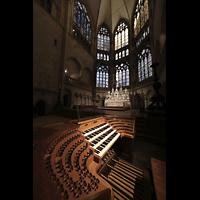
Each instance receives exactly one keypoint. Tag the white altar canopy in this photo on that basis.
(117, 98)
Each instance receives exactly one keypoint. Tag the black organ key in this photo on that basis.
(99, 148)
(91, 144)
(96, 151)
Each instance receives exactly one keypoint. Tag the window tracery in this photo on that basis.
(103, 44)
(144, 64)
(122, 75)
(102, 76)
(82, 21)
(121, 36)
(141, 16)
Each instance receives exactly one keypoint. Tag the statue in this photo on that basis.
(126, 94)
(120, 93)
(112, 94)
(108, 96)
(116, 94)
(119, 98)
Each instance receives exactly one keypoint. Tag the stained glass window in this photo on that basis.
(144, 64)
(82, 20)
(142, 36)
(98, 41)
(108, 43)
(127, 52)
(141, 15)
(115, 42)
(106, 79)
(127, 76)
(100, 79)
(101, 42)
(149, 64)
(116, 56)
(146, 10)
(122, 75)
(102, 76)
(123, 53)
(107, 57)
(117, 76)
(97, 79)
(104, 39)
(103, 48)
(135, 29)
(120, 55)
(121, 36)
(126, 36)
(119, 41)
(123, 44)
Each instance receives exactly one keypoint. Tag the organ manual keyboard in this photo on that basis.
(83, 164)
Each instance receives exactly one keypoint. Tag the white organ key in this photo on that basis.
(95, 137)
(95, 130)
(100, 142)
(104, 150)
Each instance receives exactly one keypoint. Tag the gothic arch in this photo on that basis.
(40, 107)
(103, 24)
(73, 68)
(86, 75)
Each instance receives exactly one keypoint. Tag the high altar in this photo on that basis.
(118, 98)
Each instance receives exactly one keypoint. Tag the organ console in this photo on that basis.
(83, 164)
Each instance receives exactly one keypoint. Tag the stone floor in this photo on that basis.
(48, 119)
(143, 151)
(51, 119)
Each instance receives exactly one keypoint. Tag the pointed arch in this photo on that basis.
(72, 68)
(102, 75)
(140, 17)
(144, 64)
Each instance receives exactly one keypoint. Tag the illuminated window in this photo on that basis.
(122, 75)
(144, 64)
(127, 52)
(82, 21)
(103, 39)
(107, 57)
(102, 76)
(141, 15)
(121, 36)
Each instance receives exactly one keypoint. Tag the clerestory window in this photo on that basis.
(81, 23)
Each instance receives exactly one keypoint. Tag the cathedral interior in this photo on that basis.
(99, 99)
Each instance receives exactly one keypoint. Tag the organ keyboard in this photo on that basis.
(83, 164)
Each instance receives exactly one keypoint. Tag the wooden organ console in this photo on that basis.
(83, 164)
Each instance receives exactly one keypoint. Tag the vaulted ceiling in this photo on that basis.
(111, 11)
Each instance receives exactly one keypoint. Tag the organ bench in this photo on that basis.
(83, 164)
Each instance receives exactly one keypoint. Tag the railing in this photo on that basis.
(72, 81)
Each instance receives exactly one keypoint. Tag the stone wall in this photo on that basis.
(47, 39)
